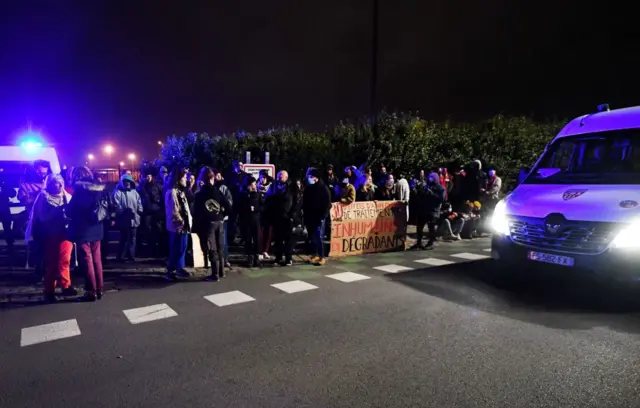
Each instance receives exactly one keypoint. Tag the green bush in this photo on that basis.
(404, 143)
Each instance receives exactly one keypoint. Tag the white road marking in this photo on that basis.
(294, 286)
(434, 262)
(229, 298)
(393, 268)
(49, 332)
(348, 277)
(149, 313)
(469, 256)
(487, 250)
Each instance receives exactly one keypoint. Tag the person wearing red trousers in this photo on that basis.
(87, 210)
(49, 223)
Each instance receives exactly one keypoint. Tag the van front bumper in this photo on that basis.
(617, 264)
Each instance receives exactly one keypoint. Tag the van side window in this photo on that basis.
(561, 158)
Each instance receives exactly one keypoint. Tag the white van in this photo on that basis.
(579, 206)
(14, 160)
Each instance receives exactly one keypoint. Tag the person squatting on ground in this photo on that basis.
(210, 207)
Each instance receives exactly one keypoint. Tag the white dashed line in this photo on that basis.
(49, 332)
(469, 256)
(229, 298)
(487, 250)
(348, 277)
(294, 286)
(434, 262)
(149, 313)
(393, 268)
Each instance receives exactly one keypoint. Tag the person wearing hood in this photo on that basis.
(331, 181)
(178, 222)
(492, 191)
(236, 180)
(128, 207)
(316, 208)
(152, 217)
(430, 198)
(88, 208)
(227, 193)
(209, 209)
(48, 223)
(30, 186)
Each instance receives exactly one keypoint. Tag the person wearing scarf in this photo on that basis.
(366, 191)
(49, 223)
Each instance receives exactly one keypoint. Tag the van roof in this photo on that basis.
(626, 118)
(17, 153)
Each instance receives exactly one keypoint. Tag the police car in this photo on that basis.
(579, 206)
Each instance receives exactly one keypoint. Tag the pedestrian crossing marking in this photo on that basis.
(229, 298)
(469, 256)
(348, 277)
(393, 268)
(434, 262)
(49, 332)
(294, 286)
(487, 250)
(149, 313)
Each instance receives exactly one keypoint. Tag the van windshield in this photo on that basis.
(611, 157)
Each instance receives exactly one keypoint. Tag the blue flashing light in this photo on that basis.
(31, 146)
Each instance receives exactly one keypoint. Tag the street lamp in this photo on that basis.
(90, 156)
(132, 157)
(160, 143)
(108, 149)
(121, 164)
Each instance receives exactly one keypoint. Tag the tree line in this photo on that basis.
(402, 142)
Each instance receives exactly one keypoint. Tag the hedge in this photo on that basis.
(405, 143)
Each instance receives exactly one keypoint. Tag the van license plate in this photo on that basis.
(552, 259)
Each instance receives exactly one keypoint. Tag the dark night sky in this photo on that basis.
(132, 72)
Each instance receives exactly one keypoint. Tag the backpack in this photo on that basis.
(101, 209)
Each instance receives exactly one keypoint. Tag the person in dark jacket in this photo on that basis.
(250, 208)
(366, 191)
(153, 212)
(430, 198)
(235, 180)
(316, 208)
(7, 193)
(280, 207)
(88, 208)
(210, 207)
(331, 181)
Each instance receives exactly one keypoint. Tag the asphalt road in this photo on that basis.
(427, 336)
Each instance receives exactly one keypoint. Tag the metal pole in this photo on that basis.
(374, 63)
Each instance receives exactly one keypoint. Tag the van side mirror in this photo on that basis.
(524, 172)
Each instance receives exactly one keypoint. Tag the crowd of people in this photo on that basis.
(71, 213)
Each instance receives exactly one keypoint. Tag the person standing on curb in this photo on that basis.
(210, 207)
(179, 224)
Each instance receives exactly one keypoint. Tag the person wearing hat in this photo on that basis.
(316, 206)
(347, 192)
(128, 208)
(250, 209)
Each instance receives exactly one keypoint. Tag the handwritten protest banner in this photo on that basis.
(368, 227)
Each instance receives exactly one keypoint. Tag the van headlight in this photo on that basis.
(499, 220)
(628, 237)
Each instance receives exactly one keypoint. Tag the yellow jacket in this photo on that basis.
(348, 194)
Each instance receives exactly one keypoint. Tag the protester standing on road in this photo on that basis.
(227, 193)
(7, 192)
(128, 207)
(87, 210)
(32, 184)
(49, 225)
(153, 216)
(179, 223)
(279, 206)
(430, 198)
(210, 206)
(250, 209)
(235, 182)
(316, 208)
